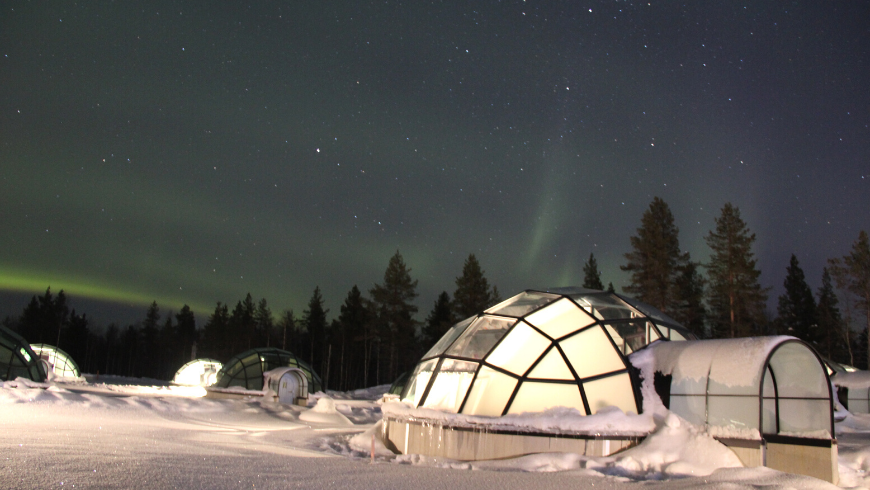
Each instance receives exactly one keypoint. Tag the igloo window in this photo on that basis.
(521, 339)
(560, 319)
(613, 391)
(490, 393)
(478, 339)
(605, 307)
(591, 353)
(534, 397)
(448, 338)
(450, 385)
(522, 304)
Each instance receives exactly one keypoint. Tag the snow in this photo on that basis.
(856, 379)
(126, 434)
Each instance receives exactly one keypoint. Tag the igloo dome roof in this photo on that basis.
(540, 349)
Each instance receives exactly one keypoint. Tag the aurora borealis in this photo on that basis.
(192, 152)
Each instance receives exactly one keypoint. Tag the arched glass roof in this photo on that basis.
(17, 359)
(759, 385)
(62, 365)
(246, 369)
(537, 350)
(198, 372)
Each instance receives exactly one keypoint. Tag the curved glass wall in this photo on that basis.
(17, 359)
(772, 385)
(537, 350)
(59, 361)
(246, 369)
(198, 372)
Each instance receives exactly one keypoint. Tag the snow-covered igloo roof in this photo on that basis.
(745, 387)
(246, 369)
(537, 350)
(17, 359)
(198, 372)
(62, 365)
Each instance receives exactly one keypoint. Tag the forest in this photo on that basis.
(375, 337)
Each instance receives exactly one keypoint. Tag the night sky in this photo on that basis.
(192, 152)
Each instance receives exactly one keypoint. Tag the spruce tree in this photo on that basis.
(473, 293)
(833, 342)
(440, 320)
(393, 304)
(264, 323)
(655, 259)
(215, 334)
(591, 274)
(854, 271)
(797, 306)
(736, 298)
(288, 326)
(148, 349)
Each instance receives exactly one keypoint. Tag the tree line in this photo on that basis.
(375, 337)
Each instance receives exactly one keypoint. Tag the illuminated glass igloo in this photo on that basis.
(540, 349)
(198, 372)
(246, 369)
(17, 359)
(61, 364)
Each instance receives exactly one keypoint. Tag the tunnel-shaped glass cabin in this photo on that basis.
(246, 369)
(198, 372)
(540, 349)
(751, 388)
(60, 363)
(17, 359)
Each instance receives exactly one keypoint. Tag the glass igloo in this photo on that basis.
(540, 349)
(17, 359)
(61, 364)
(246, 369)
(198, 372)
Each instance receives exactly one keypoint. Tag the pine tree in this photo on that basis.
(352, 322)
(736, 298)
(314, 319)
(854, 271)
(393, 302)
(833, 342)
(186, 333)
(264, 323)
(148, 348)
(215, 334)
(797, 306)
(591, 274)
(690, 310)
(473, 293)
(440, 320)
(288, 326)
(655, 259)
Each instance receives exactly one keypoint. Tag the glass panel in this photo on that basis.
(521, 304)
(450, 385)
(611, 391)
(537, 397)
(552, 366)
(798, 372)
(605, 306)
(652, 333)
(522, 347)
(859, 405)
(740, 412)
(490, 393)
(479, 338)
(676, 335)
(5, 355)
(591, 353)
(448, 338)
(633, 335)
(768, 416)
(560, 318)
(691, 408)
(418, 380)
(648, 310)
(858, 395)
(688, 386)
(798, 416)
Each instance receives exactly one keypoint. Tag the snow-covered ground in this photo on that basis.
(123, 433)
